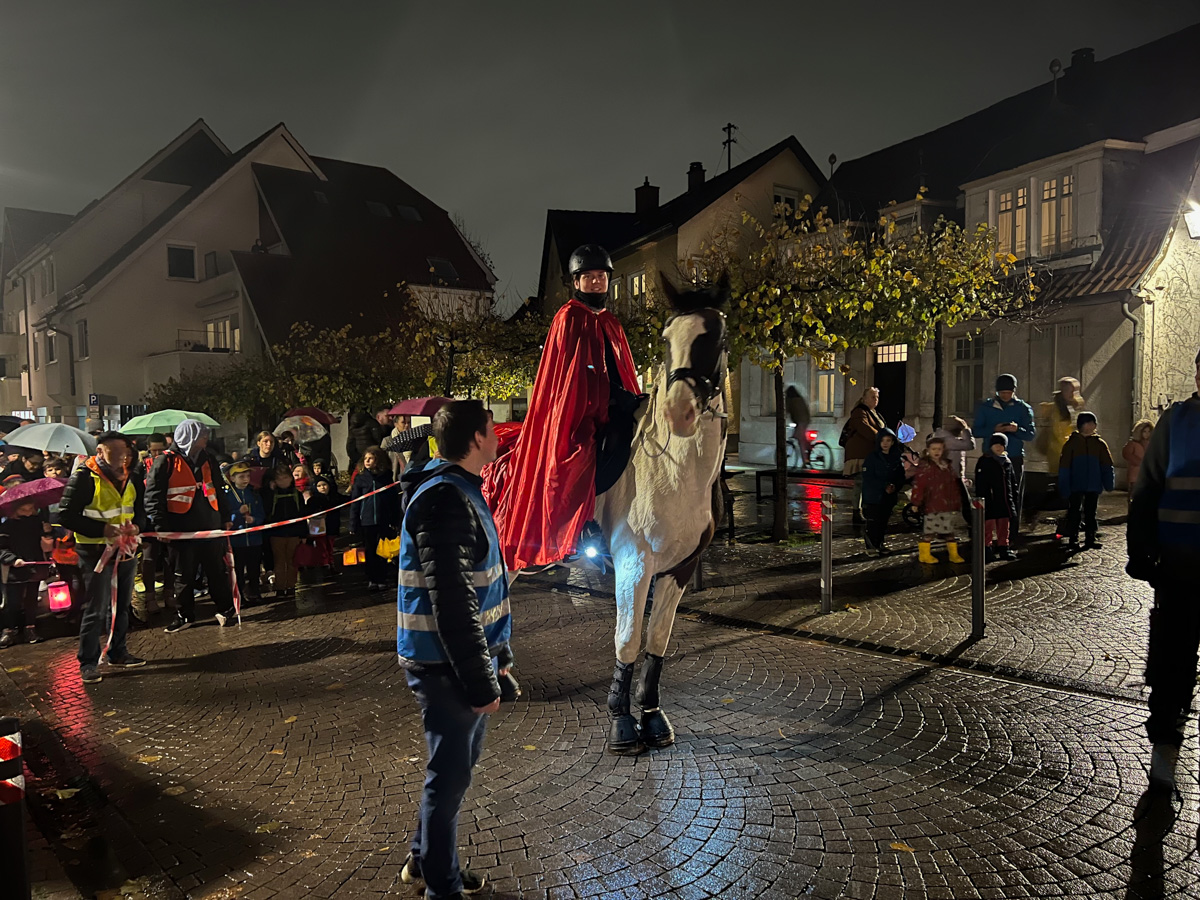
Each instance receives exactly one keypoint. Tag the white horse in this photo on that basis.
(663, 510)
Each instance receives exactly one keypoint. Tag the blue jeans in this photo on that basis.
(454, 735)
(97, 605)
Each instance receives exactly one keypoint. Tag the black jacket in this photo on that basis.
(364, 432)
(201, 516)
(380, 511)
(451, 541)
(79, 493)
(21, 538)
(318, 502)
(281, 506)
(17, 467)
(996, 486)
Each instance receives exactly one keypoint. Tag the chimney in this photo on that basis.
(645, 198)
(695, 176)
(1082, 59)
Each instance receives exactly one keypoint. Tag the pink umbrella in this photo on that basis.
(41, 491)
(423, 406)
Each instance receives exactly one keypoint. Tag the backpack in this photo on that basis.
(847, 429)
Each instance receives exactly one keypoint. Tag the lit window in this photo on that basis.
(824, 392)
(181, 262)
(442, 268)
(1012, 221)
(892, 353)
(224, 334)
(637, 285)
(1057, 214)
(379, 209)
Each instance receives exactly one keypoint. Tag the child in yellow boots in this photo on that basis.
(938, 495)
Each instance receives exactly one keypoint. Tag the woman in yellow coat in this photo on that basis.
(1056, 421)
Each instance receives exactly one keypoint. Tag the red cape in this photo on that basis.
(548, 490)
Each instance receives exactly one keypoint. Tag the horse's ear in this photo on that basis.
(670, 292)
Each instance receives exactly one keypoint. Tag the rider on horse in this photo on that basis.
(577, 434)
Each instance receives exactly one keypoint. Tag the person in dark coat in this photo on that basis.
(28, 467)
(1085, 470)
(186, 492)
(365, 432)
(996, 486)
(282, 500)
(25, 537)
(883, 476)
(858, 439)
(246, 511)
(377, 516)
(268, 453)
(323, 531)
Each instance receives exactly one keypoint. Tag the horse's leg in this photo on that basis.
(655, 726)
(633, 583)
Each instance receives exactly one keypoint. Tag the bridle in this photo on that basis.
(706, 386)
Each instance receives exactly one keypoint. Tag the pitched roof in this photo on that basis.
(1143, 221)
(616, 231)
(1124, 97)
(352, 238)
(25, 229)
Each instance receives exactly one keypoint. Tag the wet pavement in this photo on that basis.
(862, 754)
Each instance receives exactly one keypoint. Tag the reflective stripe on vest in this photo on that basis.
(1179, 505)
(181, 486)
(417, 637)
(107, 506)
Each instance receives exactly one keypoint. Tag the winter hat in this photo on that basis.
(1006, 382)
(998, 438)
(1083, 418)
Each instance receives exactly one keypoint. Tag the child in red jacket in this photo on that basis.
(938, 495)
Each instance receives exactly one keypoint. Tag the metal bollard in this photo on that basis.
(14, 861)
(978, 570)
(827, 552)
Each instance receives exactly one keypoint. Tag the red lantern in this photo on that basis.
(60, 596)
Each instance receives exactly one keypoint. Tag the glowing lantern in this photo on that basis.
(60, 596)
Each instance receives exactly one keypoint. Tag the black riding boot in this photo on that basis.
(656, 727)
(623, 737)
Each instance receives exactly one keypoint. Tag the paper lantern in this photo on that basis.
(59, 593)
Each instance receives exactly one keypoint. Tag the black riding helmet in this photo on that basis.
(588, 258)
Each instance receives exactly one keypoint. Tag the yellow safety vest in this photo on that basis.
(107, 506)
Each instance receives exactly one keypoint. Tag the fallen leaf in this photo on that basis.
(110, 714)
(308, 854)
(289, 720)
(851, 606)
(900, 845)
(174, 790)
(359, 621)
(529, 747)
(122, 731)
(16, 669)
(781, 734)
(66, 793)
(148, 759)
(727, 700)
(277, 753)
(383, 849)
(414, 759)
(336, 686)
(268, 828)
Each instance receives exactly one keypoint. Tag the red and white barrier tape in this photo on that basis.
(12, 790)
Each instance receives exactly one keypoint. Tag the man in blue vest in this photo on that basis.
(453, 627)
(1163, 537)
(1006, 413)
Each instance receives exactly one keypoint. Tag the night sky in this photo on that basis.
(497, 111)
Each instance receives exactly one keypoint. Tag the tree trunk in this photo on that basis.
(939, 380)
(780, 530)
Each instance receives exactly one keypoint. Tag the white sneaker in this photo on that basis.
(1163, 760)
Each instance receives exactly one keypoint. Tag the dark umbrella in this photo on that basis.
(41, 491)
(9, 423)
(423, 406)
(313, 412)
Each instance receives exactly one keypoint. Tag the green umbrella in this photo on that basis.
(164, 421)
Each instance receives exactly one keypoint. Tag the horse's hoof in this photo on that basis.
(623, 738)
(656, 729)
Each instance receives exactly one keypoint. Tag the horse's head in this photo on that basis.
(696, 353)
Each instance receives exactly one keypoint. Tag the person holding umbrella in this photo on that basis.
(103, 501)
(25, 539)
(186, 492)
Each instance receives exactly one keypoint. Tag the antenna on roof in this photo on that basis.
(1055, 71)
(728, 143)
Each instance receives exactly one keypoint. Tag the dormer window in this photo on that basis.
(1057, 214)
(1012, 221)
(442, 269)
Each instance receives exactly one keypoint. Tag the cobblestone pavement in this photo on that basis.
(283, 758)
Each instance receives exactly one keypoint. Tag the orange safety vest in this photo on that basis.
(181, 487)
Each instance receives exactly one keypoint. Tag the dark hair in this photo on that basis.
(156, 438)
(29, 453)
(382, 460)
(455, 426)
(282, 469)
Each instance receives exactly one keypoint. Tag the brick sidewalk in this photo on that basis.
(284, 759)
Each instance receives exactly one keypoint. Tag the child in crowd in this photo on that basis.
(282, 501)
(883, 476)
(324, 529)
(1085, 469)
(996, 486)
(320, 467)
(376, 517)
(1135, 450)
(303, 477)
(25, 538)
(248, 511)
(937, 494)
